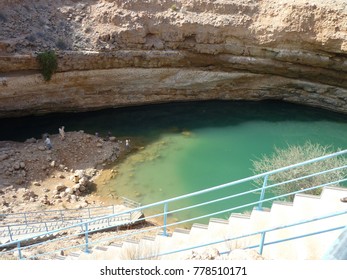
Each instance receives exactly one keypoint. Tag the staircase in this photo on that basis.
(32, 224)
(281, 213)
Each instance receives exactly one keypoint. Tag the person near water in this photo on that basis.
(48, 143)
(62, 132)
(127, 144)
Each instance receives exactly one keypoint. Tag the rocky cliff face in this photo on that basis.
(130, 52)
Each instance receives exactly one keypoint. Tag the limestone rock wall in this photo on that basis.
(120, 52)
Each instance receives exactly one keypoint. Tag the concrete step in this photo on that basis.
(177, 240)
(198, 229)
(239, 224)
(331, 198)
(149, 248)
(110, 252)
(260, 219)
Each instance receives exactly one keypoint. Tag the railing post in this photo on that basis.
(19, 250)
(62, 216)
(46, 226)
(165, 219)
(81, 225)
(86, 236)
(25, 218)
(10, 233)
(262, 193)
(108, 222)
(261, 245)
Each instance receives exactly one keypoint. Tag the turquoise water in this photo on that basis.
(186, 147)
(216, 144)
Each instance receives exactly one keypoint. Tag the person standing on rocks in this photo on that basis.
(127, 144)
(48, 143)
(62, 132)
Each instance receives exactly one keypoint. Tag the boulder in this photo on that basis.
(3, 157)
(63, 194)
(31, 140)
(208, 254)
(90, 172)
(29, 195)
(60, 187)
(83, 181)
(16, 166)
(69, 190)
(75, 187)
(240, 254)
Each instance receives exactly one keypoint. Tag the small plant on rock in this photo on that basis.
(174, 8)
(296, 154)
(48, 63)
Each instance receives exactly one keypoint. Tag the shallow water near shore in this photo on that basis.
(186, 147)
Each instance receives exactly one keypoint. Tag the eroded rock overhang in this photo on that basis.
(93, 80)
(143, 52)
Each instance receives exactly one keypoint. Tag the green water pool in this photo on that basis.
(206, 144)
(186, 147)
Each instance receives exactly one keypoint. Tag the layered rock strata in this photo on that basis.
(121, 53)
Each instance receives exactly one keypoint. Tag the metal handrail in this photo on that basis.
(50, 219)
(54, 215)
(165, 203)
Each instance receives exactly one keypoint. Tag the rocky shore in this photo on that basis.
(34, 178)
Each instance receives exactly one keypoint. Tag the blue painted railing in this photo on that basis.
(18, 224)
(27, 218)
(163, 216)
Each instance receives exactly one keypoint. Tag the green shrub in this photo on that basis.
(296, 154)
(48, 63)
(174, 8)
